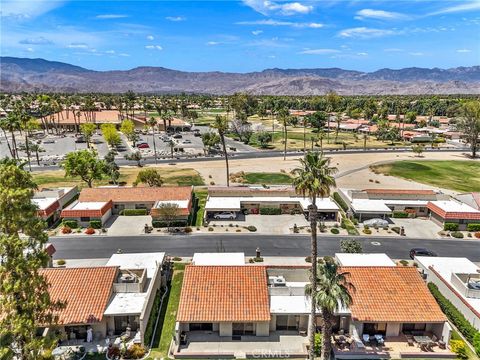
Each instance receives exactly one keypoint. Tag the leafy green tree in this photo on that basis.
(221, 124)
(333, 290)
(210, 140)
(411, 117)
(111, 167)
(110, 134)
(136, 156)
(24, 302)
(84, 164)
(469, 123)
(351, 246)
(149, 176)
(168, 212)
(128, 129)
(318, 120)
(264, 138)
(417, 149)
(314, 179)
(152, 122)
(87, 130)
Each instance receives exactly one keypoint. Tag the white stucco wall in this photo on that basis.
(262, 328)
(393, 329)
(225, 329)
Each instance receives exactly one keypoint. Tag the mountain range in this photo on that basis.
(24, 74)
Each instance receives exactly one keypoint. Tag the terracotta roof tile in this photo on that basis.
(86, 292)
(400, 191)
(136, 194)
(224, 293)
(391, 294)
(446, 215)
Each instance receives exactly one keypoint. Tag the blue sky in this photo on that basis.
(241, 36)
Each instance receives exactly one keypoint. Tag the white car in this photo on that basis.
(225, 215)
(376, 222)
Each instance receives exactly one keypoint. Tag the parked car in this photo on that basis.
(121, 148)
(187, 142)
(49, 141)
(376, 222)
(197, 134)
(225, 215)
(177, 136)
(421, 252)
(80, 139)
(143, 146)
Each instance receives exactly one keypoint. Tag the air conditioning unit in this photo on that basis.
(277, 281)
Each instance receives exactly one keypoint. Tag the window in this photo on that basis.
(375, 328)
(201, 326)
(85, 218)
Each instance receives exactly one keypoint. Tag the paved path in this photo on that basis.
(270, 245)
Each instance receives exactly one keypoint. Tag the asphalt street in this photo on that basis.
(88, 247)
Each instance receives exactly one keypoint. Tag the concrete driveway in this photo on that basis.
(127, 225)
(418, 228)
(270, 224)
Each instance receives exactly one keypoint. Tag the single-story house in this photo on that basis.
(148, 198)
(369, 259)
(372, 203)
(458, 279)
(50, 202)
(252, 199)
(219, 259)
(261, 305)
(453, 211)
(107, 298)
(70, 119)
(85, 211)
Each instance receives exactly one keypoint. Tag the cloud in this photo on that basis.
(153, 47)
(30, 49)
(36, 41)
(124, 54)
(266, 7)
(379, 15)
(213, 43)
(110, 52)
(464, 50)
(176, 18)
(271, 22)
(77, 46)
(362, 54)
(462, 7)
(393, 50)
(319, 51)
(150, 37)
(365, 33)
(257, 32)
(27, 9)
(418, 53)
(110, 16)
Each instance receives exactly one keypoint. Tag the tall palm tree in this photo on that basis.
(333, 290)
(221, 124)
(283, 116)
(152, 122)
(314, 179)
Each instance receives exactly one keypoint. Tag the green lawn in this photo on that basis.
(166, 325)
(201, 195)
(268, 178)
(458, 175)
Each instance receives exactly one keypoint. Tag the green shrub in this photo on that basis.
(318, 344)
(454, 315)
(457, 234)
(176, 258)
(210, 228)
(450, 227)
(270, 211)
(404, 262)
(72, 224)
(134, 212)
(61, 262)
(396, 229)
(161, 223)
(335, 231)
(96, 224)
(351, 246)
(460, 348)
(367, 231)
(188, 229)
(251, 228)
(473, 227)
(153, 317)
(400, 214)
(476, 342)
(338, 199)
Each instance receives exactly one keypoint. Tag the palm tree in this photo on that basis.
(152, 122)
(283, 115)
(314, 178)
(221, 124)
(333, 290)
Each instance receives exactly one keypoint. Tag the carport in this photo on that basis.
(366, 209)
(219, 204)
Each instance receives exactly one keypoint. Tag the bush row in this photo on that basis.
(162, 223)
(456, 317)
(153, 317)
(340, 201)
(450, 227)
(400, 214)
(134, 212)
(96, 224)
(473, 227)
(270, 211)
(72, 224)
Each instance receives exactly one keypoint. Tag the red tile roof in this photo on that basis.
(224, 293)
(86, 292)
(137, 194)
(45, 213)
(446, 215)
(391, 294)
(92, 213)
(399, 191)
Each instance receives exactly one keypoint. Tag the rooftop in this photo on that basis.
(451, 209)
(400, 191)
(136, 194)
(224, 293)
(88, 205)
(370, 206)
(345, 259)
(391, 294)
(148, 261)
(126, 304)
(86, 292)
(218, 259)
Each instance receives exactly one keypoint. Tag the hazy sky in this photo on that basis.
(243, 36)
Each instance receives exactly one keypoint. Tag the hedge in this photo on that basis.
(72, 224)
(96, 224)
(340, 201)
(147, 337)
(335, 231)
(450, 227)
(162, 223)
(457, 234)
(133, 212)
(270, 211)
(455, 316)
(473, 227)
(400, 214)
